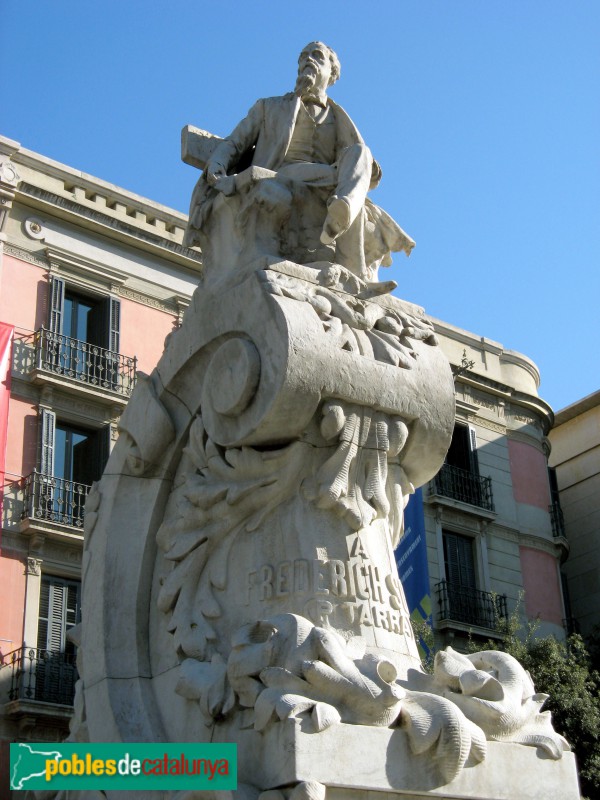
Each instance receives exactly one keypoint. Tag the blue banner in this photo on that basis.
(411, 558)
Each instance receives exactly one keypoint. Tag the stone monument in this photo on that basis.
(239, 579)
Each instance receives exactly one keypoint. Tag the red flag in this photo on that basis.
(6, 339)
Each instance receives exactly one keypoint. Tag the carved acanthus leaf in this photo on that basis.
(218, 494)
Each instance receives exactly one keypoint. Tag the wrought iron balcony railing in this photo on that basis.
(470, 606)
(557, 519)
(54, 499)
(85, 362)
(460, 484)
(42, 675)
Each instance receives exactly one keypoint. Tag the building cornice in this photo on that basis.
(93, 213)
(578, 408)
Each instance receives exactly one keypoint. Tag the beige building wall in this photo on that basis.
(575, 455)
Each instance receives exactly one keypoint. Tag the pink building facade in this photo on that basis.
(92, 281)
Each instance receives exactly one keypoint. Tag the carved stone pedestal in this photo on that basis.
(358, 763)
(239, 577)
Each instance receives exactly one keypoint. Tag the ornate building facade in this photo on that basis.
(493, 541)
(92, 280)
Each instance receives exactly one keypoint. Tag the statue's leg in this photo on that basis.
(350, 248)
(354, 176)
(265, 211)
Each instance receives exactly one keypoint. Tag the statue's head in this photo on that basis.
(318, 66)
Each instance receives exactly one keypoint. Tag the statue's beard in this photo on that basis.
(305, 81)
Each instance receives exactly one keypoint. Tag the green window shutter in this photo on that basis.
(48, 424)
(56, 305)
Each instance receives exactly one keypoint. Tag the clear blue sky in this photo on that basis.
(484, 114)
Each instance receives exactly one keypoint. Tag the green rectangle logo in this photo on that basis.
(107, 767)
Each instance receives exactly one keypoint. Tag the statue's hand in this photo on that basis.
(215, 173)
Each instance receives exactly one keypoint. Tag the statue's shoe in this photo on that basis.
(337, 221)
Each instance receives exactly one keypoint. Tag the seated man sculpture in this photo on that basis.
(309, 171)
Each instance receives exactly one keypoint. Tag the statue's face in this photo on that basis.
(314, 68)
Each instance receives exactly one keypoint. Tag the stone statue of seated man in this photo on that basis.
(291, 181)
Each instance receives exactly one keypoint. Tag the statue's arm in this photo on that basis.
(230, 149)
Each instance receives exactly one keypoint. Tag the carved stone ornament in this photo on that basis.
(34, 566)
(34, 228)
(239, 580)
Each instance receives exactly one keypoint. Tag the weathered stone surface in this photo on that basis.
(239, 577)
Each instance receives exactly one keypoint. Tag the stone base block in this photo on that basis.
(360, 763)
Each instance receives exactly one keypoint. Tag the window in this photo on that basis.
(459, 476)
(76, 454)
(54, 663)
(71, 459)
(459, 597)
(462, 452)
(85, 319)
(59, 612)
(83, 339)
(459, 561)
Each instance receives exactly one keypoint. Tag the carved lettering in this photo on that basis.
(301, 576)
(282, 579)
(318, 577)
(338, 578)
(266, 582)
(356, 592)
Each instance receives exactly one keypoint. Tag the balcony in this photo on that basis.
(469, 606)
(557, 519)
(41, 676)
(82, 365)
(47, 499)
(464, 486)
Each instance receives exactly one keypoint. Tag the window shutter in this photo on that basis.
(57, 303)
(473, 449)
(48, 420)
(42, 637)
(451, 558)
(59, 611)
(72, 611)
(114, 323)
(57, 603)
(460, 565)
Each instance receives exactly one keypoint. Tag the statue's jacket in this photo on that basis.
(268, 127)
